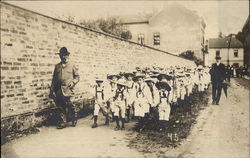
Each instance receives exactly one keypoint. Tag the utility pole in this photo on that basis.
(205, 52)
(229, 42)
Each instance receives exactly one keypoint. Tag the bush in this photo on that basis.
(111, 25)
(189, 54)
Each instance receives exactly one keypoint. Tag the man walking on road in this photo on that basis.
(218, 75)
(65, 77)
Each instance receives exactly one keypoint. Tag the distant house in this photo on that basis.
(229, 49)
(175, 29)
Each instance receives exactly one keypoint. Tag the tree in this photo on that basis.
(111, 25)
(191, 56)
(126, 34)
(241, 37)
(188, 55)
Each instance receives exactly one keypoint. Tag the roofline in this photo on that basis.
(131, 23)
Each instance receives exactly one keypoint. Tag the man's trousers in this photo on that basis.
(66, 110)
(216, 91)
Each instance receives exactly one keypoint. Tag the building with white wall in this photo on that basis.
(175, 29)
(229, 49)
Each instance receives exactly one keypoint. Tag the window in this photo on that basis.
(217, 53)
(141, 38)
(236, 55)
(156, 38)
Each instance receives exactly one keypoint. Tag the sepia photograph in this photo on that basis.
(125, 79)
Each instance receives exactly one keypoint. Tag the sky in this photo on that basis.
(225, 16)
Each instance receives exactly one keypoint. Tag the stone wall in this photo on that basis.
(29, 43)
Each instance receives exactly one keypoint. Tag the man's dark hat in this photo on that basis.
(64, 51)
(217, 57)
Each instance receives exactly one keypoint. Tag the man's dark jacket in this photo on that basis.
(218, 73)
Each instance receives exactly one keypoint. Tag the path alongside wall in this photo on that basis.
(29, 43)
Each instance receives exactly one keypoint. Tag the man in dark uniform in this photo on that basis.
(65, 77)
(218, 75)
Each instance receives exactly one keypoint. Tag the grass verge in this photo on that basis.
(150, 140)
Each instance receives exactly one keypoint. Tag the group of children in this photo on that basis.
(126, 95)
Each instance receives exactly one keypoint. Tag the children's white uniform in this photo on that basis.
(201, 83)
(170, 96)
(182, 90)
(119, 103)
(196, 78)
(191, 86)
(99, 99)
(207, 79)
(164, 106)
(111, 90)
(141, 104)
(130, 93)
(153, 97)
(178, 88)
(174, 91)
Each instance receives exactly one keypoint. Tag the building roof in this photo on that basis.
(224, 43)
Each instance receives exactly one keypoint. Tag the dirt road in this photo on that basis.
(221, 132)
